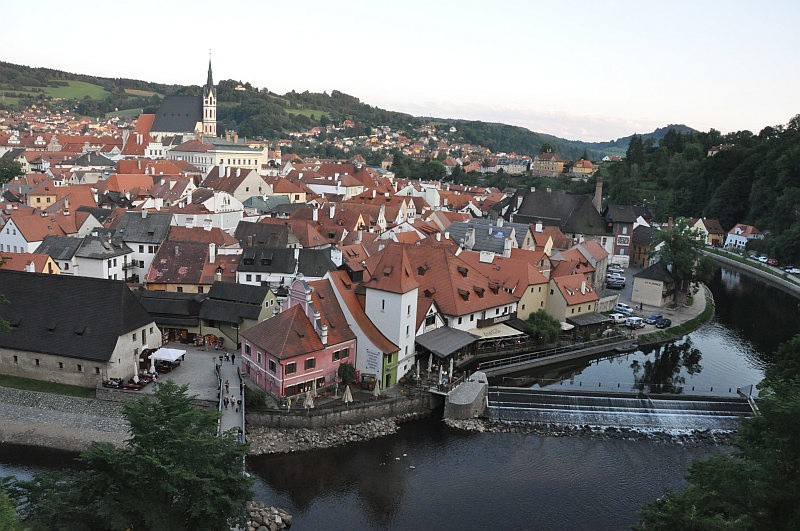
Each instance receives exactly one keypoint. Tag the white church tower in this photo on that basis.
(209, 107)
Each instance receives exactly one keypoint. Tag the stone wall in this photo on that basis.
(774, 280)
(352, 414)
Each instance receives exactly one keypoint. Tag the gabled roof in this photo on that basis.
(331, 314)
(20, 261)
(232, 303)
(571, 213)
(286, 335)
(35, 228)
(575, 289)
(170, 308)
(392, 272)
(657, 271)
(153, 228)
(178, 263)
(102, 248)
(252, 234)
(65, 315)
(626, 213)
(201, 235)
(644, 235)
(59, 247)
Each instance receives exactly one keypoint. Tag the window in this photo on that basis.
(551, 292)
(310, 363)
(16, 359)
(272, 366)
(37, 361)
(345, 353)
(459, 320)
(151, 249)
(523, 306)
(409, 310)
(141, 263)
(258, 357)
(291, 368)
(430, 320)
(151, 329)
(247, 349)
(66, 266)
(407, 329)
(248, 278)
(60, 364)
(200, 289)
(97, 370)
(109, 263)
(180, 289)
(134, 336)
(383, 304)
(471, 317)
(80, 368)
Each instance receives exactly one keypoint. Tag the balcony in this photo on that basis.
(127, 266)
(482, 323)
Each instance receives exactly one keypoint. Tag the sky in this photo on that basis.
(584, 70)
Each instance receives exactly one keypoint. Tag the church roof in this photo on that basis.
(178, 114)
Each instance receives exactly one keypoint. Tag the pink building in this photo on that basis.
(303, 344)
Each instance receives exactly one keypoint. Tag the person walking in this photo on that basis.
(225, 401)
(233, 358)
(227, 386)
(227, 356)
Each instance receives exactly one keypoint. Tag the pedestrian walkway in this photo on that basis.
(232, 415)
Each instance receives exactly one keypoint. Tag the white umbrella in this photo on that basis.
(152, 364)
(377, 391)
(309, 402)
(441, 371)
(451, 369)
(136, 371)
(417, 369)
(430, 363)
(347, 397)
(314, 388)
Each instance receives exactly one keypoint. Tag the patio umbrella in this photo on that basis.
(417, 369)
(441, 371)
(376, 392)
(314, 388)
(152, 364)
(136, 372)
(309, 401)
(347, 397)
(451, 369)
(430, 363)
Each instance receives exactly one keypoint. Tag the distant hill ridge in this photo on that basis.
(260, 113)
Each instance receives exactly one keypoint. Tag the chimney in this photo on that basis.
(538, 227)
(218, 275)
(238, 172)
(314, 214)
(323, 334)
(66, 206)
(332, 211)
(227, 136)
(235, 137)
(297, 253)
(144, 213)
(583, 288)
(499, 221)
(446, 235)
(508, 244)
(208, 224)
(373, 193)
(438, 236)
(597, 201)
(212, 253)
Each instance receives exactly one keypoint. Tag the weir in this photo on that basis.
(621, 410)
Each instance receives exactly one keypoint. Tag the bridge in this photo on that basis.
(614, 409)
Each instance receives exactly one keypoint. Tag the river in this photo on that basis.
(430, 476)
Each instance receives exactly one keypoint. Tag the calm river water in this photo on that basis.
(428, 476)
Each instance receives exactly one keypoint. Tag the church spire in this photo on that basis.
(209, 88)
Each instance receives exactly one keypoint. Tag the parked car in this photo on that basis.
(793, 271)
(616, 267)
(623, 310)
(615, 283)
(623, 305)
(653, 319)
(663, 323)
(773, 262)
(614, 276)
(618, 318)
(762, 259)
(634, 322)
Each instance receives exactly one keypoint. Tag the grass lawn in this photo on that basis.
(16, 382)
(140, 92)
(78, 90)
(308, 112)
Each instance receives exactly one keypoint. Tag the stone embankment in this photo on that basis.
(284, 440)
(262, 518)
(685, 437)
(55, 421)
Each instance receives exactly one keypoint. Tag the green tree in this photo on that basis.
(8, 516)
(542, 326)
(9, 169)
(173, 473)
(758, 485)
(546, 147)
(681, 254)
(347, 373)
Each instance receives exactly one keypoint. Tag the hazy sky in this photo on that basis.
(589, 70)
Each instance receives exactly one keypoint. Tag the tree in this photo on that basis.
(173, 473)
(758, 485)
(8, 516)
(681, 254)
(543, 327)
(635, 152)
(347, 373)
(546, 147)
(9, 169)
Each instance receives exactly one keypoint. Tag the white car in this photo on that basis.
(618, 318)
(614, 276)
(623, 305)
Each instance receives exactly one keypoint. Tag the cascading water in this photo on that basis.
(615, 410)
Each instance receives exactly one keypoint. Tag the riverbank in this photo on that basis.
(264, 440)
(682, 437)
(32, 418)
(771, 275)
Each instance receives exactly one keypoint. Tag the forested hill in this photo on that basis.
(255, 112)
(754, 179)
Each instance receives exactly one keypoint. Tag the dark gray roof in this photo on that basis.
(59, 247)
(657, 271)
(572, 213)
(315, 262)
(64, 315)
(264, 203)
(178, 114)
(285, 209)
(100, 214)
(626, 213)
(252, 234)
(644, 235)
(588, 319)
(132, 227)
(444, 341)
(267, 260)
(232, 303)
(484, 239)
(93, 158)
(170, 308)
(101, 248)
